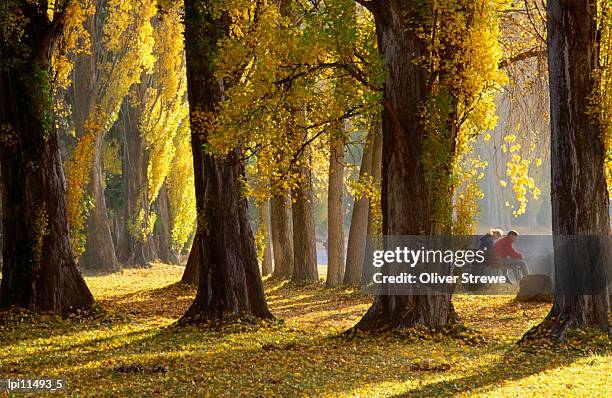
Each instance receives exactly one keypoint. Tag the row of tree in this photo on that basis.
(265, 83)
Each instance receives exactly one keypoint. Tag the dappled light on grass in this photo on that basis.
(132, 347)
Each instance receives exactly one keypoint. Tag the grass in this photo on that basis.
(130, 348)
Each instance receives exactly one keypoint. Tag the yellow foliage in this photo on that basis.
(181, 188)
(123, 53)
(165, 103)
(77, 176)
(460, 105)
(602, 98)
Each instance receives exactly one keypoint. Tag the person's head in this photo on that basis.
(496, 233)
(513, 235)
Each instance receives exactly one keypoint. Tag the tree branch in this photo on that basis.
(533, 53)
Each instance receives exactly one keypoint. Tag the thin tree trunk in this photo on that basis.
(580, 205)
(355, 253)
(229, 283)
(39, 271)
(282, 236)
(163, 226)
(99, 252)
(304, 239)
(373, 234)
(134, 249)
(264, 223)
(335, 219)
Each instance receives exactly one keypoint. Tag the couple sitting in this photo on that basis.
(501, 254)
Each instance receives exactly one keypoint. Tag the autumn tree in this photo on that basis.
(335, 215)
(152, 115)
(229, 281)
(304, 238)
(440, 60)
(263, 211)
(300, 80)
(282, 235)
(121, 50)
(355, 254)
(374, 228)
(578, 40)
(39, 270)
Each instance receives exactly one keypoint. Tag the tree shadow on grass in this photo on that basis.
(200, 363)
(168, 302)
(515, 365)
(266, 362)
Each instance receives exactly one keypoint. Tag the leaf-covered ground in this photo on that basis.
(130, 348)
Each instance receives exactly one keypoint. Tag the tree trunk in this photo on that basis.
(264, 223)
(1, 217)
(39, 271)
(134, 249)
(99, 252)
(373, 233)
(335, 219)
(190, 275)
(406, 199)
(282, 236)
(304, 239)
(229, 284)
(355, 253)
(163, 226)
(581, 225)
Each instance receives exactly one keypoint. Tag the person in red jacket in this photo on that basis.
(511, 259)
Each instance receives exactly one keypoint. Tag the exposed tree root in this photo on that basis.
(435, 313)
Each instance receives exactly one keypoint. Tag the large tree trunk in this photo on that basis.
(406, 199)
(581, 225)
(355, 253)
(304, 238)
(373, 232)
(229, 284)
(99, 252)
(282, 236)
(163, 233)
(134, 248)
(1, 229)
(264, 223)
(39, 271)
(335, 219)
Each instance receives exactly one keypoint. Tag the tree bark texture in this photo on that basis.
(578, 186)
(282, 236)
(372, 233)
(99, 252)
(304, 238)
(335, 219)
(355, 253)
(190, 275)
(264, 223)
(229, 283)
(406, 199)
(39, 271)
